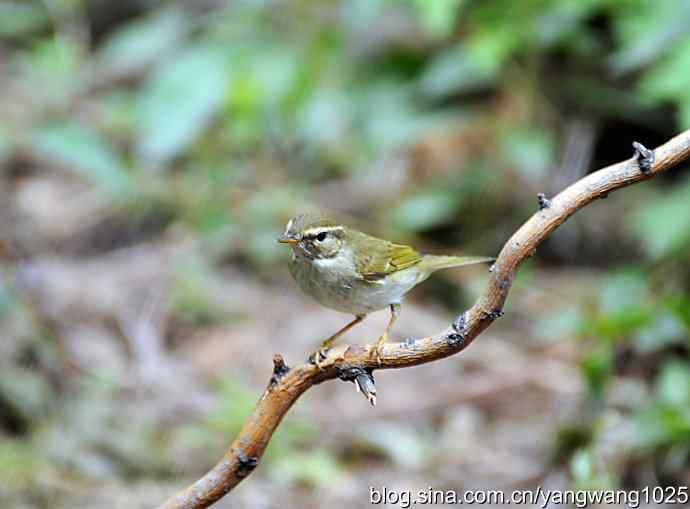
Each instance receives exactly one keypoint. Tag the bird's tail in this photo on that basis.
(434, 262)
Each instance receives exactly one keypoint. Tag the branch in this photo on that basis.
(355, 363)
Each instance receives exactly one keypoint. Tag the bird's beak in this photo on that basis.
(288, 239)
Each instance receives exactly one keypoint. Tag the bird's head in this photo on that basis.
(314, 236)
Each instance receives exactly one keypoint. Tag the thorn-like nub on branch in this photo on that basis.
(280, 369)
(544, 202)
(460, 323)
(491, 315)
(246, 464)
(645, 157)
(363, 380)
(457, 338)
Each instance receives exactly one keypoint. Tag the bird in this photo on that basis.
(355, 273)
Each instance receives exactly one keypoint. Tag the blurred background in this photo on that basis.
(151, 152)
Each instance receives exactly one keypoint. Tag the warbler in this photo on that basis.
(352, 272)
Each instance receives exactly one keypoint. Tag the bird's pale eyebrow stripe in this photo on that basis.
(289, 225)
(321, 229)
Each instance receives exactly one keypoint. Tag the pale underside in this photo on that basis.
(335, 283)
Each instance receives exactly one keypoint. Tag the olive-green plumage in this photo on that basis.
(353, 272)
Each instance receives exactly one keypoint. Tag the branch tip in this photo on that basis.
(364, 383)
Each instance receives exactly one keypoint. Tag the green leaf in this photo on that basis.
(597, 366)
(79, 149)
(619, 324)
(530, 150)
(491, 47)
(684, 112)
(623, 290)
(56, 65)
(562, 22)
(663, 81)
(192, 295)
(178, 101)
(581, 466)
(19, 462)
(647, 30)
(426, 209)
(143, 41)
(624, 302)
(403, 446)
(317, 468)
(663, 225)
(665, 330)
(237, 401)
(588, 472)
(438, 16)
(390, 117)
(559, 324)
(673, 384)
(662, 425)
(20, 18)
(26, 393)
(6, 144)
(7, 301)
(679, 305)
(456, 70)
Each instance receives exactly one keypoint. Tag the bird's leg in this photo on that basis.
(320, 354)
(395, 312)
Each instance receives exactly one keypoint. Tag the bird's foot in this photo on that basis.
(378, 349)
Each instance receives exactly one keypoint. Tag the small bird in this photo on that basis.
(352, 272)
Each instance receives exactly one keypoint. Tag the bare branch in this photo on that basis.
(356, 363)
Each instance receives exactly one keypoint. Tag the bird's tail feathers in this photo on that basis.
(434, 262)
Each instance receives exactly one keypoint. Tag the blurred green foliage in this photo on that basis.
(218, 121)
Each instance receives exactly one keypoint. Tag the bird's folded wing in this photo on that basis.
(379, 258)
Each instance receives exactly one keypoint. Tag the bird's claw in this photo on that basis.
(377, 351)
(319, 356)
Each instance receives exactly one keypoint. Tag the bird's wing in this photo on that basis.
(379, 258)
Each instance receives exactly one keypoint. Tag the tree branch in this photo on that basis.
(355, 363)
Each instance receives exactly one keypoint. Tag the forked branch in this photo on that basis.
(355, 363)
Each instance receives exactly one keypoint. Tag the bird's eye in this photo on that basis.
(321, 236)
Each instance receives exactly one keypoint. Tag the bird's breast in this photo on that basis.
(335, 283)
